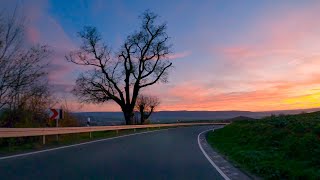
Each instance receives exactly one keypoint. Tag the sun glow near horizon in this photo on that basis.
(254, 56)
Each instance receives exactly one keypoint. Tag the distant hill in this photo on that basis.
(241, 118)
(115, 118)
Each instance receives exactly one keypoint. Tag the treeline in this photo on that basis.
(25, 94)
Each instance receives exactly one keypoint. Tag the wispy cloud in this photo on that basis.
(179, 55)
(42, 28)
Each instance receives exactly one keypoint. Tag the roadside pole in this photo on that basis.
(56, 115)
(57, 123)
(44, 139)
(88, 125)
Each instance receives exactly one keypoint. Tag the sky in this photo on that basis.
(228, 55)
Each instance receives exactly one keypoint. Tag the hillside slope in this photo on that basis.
(285, 146)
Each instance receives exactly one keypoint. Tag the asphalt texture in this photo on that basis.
(166, 154)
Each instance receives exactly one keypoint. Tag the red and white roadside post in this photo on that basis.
(56, 114)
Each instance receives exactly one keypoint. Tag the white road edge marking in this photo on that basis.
(73, 145)
(209, 159)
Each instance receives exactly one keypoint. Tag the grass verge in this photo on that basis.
(10, 146)
(276, 147)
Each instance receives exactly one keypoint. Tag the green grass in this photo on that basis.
(276, 147)
(10, 146)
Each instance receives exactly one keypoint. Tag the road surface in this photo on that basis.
(165, 154)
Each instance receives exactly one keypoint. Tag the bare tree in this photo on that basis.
(11, 34)
(146, 105)
(141, 61)
(23, 74)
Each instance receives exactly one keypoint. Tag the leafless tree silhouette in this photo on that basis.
(146, 105)
(141, 61)
(22, 68)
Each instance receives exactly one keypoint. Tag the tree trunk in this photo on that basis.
(141, 108)
(142, 118)
(129, 116)
(146, 116)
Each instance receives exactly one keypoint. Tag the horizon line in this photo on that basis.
(205, 110)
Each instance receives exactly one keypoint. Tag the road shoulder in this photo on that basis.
(225, 168)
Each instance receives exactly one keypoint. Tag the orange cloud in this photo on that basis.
(272, 96)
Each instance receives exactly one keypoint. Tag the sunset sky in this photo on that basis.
(228, 55)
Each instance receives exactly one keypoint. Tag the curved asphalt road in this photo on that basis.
(166, 154)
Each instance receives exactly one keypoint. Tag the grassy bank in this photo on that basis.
(10, 146)
(285, 146)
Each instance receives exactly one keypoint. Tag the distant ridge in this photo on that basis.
(114, 118)
(241, 118)
(273, 111)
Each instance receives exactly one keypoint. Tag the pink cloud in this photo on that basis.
(44, 29)
(283, 46)
(32, 35)
(280, 33)
(75, 106)
(179, 55)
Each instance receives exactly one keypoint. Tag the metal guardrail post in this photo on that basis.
(44, 139)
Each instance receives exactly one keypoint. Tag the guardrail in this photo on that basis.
(24, 132)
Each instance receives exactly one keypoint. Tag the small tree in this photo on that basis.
(141, 61)
(146, 105)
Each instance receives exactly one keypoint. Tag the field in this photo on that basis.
(275, 147)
